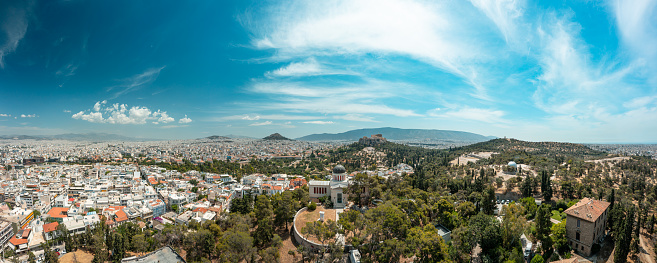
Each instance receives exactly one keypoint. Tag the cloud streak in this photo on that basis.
(14, 25)
(136, 82)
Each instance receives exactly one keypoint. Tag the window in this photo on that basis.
(578, 223)
(339, 198)
(577, 236)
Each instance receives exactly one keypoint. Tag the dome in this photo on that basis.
(512, 163)
(339, 169)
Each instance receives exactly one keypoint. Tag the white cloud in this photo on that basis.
(67, 111)
(261, 123)
(468, 113)
(350, 99)
(123, 114)
(504, 13)
(251, 118)
(185, 120)
(255, 117)
(28, 116)
(570, 82)
(173, 126)
(637, 24)
(355, 117)
(164, 117)
(319, 122)
(4, 115)
(14, 26)
(136, 82)
(307, 68)
(640, 102)
(429, 31)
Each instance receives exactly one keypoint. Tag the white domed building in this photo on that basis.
(513, 164)
(335, 188)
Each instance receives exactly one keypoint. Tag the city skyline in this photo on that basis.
(578, 71)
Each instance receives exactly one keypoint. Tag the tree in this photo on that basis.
(236, 244)
(488, 201)
(285, 211)
(623, 234)
(513, 225)
(427, 244)
(263, 213)
(537, 259)
(30, 257)
(543, 226)
(466, 209)
(462, 244)
(546, 186)
(559, 238)
(526, 188)
(139, 243)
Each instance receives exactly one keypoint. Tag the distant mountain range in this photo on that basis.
(76, 137)
(399, 134)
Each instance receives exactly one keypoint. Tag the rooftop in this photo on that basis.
(588, 209)
(162, 255)
(58, 212)
(50, 227)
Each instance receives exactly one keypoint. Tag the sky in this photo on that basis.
(576, 71)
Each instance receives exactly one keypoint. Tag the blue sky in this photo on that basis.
(580, 71)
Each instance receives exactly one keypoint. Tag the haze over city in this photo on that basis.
(576, 71)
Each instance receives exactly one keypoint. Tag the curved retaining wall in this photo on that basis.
(300, 239)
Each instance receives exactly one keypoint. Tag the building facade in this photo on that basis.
(334, 188)
(585, 224)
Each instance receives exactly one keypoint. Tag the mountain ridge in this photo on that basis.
(399, 134)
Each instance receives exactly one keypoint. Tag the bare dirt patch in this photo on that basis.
(79, 256)
(311, 216)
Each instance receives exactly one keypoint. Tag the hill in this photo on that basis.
(276, 137)
(398, 134)
(535, 148)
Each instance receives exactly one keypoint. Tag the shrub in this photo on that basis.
(312, 206)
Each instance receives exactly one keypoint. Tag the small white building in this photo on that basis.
(334, 188)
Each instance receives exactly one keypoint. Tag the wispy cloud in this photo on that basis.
(504, 13)
(572, 83)
(365, 98)
(468, 113)
(637, 23)
(255, 117)
(14, 26)
(5, 115)
(136, 82)
(318, 122)
(295, 69)
(264, 123)
(28, 116)
(355, 117)
(430, 32)
(67, 111)
(123, 114)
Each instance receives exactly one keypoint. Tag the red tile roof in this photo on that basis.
(588, 209)
(200, 209)
(121, 216)
(50, 227)
(58, 212)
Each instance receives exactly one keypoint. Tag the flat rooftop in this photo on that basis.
(162, 255)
